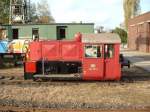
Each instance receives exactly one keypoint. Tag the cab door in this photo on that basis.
(109, 59)
(93, 62)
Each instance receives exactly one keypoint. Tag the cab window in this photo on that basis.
(93, 51)
(109, 51)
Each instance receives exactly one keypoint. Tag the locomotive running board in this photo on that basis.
(59, 76)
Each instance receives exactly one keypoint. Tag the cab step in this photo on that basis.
(59, 76)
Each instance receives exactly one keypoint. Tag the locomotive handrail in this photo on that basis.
(43, 68)
(25, 48)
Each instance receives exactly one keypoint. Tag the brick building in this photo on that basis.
(139, 33)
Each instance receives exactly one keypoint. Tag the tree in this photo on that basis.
(43, 12)
(4, 11)
(131, 9)
(33, 13)
(122, 34)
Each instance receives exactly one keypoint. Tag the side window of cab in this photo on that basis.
(93, 51)
(109, 51)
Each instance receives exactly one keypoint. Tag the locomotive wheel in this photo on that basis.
(28, 76)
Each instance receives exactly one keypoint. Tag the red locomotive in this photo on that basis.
(88, 57)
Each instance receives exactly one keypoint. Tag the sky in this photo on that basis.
(107, 13)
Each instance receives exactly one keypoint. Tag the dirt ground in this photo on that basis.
(15, 109)
(132, 92)
(17, 72)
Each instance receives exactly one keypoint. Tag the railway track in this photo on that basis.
(52, 110)
(14, 76)
(12, 80)
(16, 109)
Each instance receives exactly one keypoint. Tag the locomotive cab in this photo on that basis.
(101, 57)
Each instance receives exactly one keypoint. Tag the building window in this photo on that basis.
(149, 26)
(15, 33)
(61, 32)
(139, 28)
(35, 33)
(136, 29)
(93, 51)
(142, 27)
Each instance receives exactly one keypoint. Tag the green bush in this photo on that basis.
(122, 33)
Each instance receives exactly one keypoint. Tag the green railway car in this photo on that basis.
(55, 31)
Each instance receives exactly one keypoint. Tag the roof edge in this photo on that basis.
(47, 24)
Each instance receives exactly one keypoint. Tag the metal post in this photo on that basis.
(43, 66)
(10, 11)
(29, 11)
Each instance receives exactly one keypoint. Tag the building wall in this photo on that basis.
(49, 31)
(139, 33)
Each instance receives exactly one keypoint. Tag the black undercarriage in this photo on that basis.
(55, 68)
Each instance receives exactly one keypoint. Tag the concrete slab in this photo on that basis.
(137, 58)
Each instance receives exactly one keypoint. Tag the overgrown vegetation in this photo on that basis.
(4, 11)
(122, 33)
(40, 12)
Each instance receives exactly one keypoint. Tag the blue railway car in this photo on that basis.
(3, 46)
(9, 57)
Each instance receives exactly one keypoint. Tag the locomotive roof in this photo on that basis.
(101, 38)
